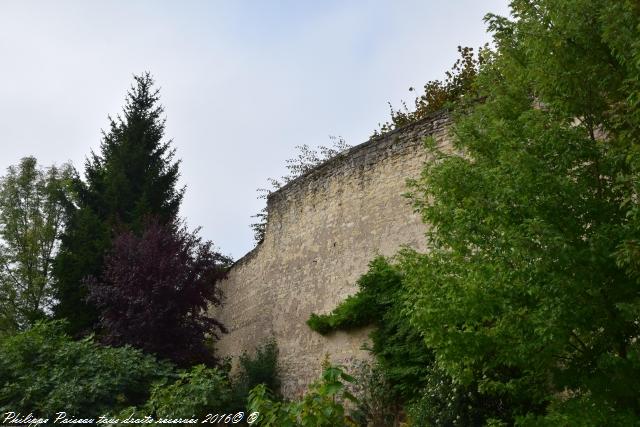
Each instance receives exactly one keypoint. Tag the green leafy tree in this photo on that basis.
(531, 287)
(131, 180)
(397, 346)
(32, 218)
(529, 297)
(44, 371)
(404, 374)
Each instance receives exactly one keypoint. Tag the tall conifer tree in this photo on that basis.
(132, 179)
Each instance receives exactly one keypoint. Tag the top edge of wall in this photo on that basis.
(371, 143)
(363, 146)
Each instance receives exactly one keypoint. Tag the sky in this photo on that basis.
(242, 82)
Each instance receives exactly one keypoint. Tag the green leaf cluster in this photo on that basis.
(378, 290)
(404, 372)
(530, 288)
(322, 406)
(196, 392)
(398, 347)
(261, 367)
(43, 371)
(32, 218)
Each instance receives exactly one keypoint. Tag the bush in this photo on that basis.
(446, 402)
(322, 406)
(377, 404)
(377, 291)
(196, 393)
(43, 371)
(262, 368)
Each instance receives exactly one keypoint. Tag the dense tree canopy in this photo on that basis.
(155, 290)
(32, 218)
(132, 179)
(530, 285)
(530, 293)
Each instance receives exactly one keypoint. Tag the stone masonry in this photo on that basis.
(323, 229)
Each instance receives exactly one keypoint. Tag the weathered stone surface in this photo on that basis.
(323, 229)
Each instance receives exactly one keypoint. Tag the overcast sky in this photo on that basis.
(242, 82)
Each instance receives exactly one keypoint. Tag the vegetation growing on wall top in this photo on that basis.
(457, 87)
(307, 159)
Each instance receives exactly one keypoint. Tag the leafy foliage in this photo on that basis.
(307, 159)
(133, 178)
(529, 295)
(261, 368)
(378, 287)
(399, 348)
(377, 404)
(322, 406)
(194, 394)
(458, 87)
(155, 291)
(404, 373)
(530, 287)
(446, 401)
(32, 217)
(43, 371)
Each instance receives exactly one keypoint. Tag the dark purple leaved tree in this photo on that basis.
(155, 291)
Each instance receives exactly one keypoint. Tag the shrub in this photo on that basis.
(447, 402)
(377, 404)
(378, 288)
(398, 347)
(195, 393)
(43, 371)
(322, 406)
(405, 375)
(259, 369)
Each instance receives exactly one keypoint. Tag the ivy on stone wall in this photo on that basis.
(407, 365)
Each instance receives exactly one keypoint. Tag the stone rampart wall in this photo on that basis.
(323, 229)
